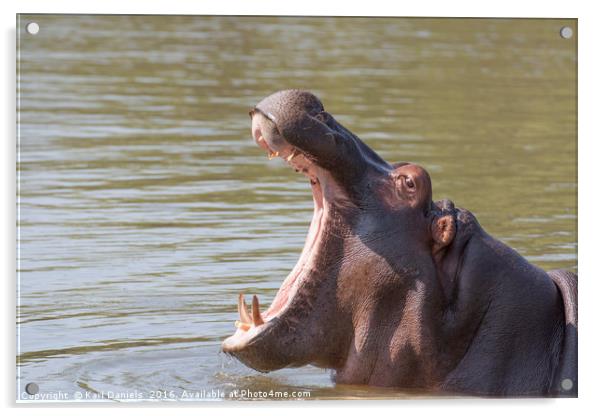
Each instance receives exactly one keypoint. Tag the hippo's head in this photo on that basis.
(369, 262)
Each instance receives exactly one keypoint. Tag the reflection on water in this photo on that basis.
(145, 207)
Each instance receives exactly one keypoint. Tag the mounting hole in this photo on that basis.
(567, 384)
(32, 388)
(32, 28)
(566, 32)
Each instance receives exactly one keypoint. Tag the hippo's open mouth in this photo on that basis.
(252, 324)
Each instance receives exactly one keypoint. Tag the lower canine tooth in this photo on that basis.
(255, 312)
(243, 312)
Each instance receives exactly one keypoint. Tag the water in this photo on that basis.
(146, 208)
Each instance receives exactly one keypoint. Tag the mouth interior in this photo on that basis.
(301, 163)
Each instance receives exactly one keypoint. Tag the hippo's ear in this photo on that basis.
(443, 231)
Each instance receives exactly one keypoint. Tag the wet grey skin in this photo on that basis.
(395, 290)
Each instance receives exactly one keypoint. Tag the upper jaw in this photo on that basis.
(267, 138)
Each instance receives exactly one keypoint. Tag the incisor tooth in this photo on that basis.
(242, 325)
(256, 314)
(243, 311)
(272, 155)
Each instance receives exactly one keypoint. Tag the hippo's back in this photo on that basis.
(565, 379)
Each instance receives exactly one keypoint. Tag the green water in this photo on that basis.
(145, 207)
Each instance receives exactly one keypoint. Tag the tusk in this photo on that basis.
(256, 314)
(243, 312)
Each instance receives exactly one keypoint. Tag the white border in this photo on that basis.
(589, 188)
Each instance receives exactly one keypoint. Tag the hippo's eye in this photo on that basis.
(409, 182)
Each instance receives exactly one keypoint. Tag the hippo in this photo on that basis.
(393, 289)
